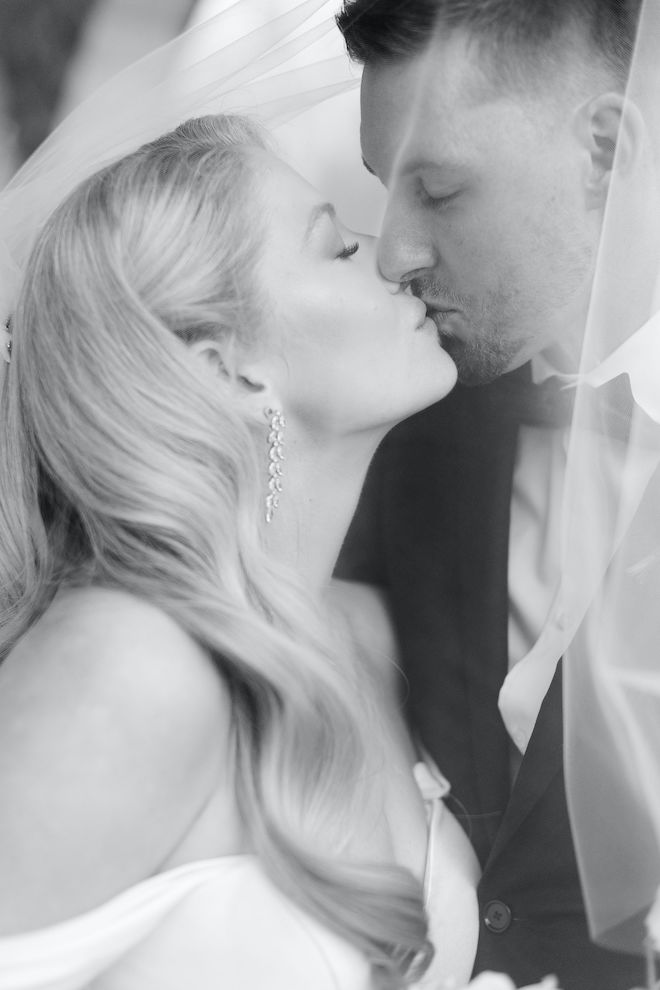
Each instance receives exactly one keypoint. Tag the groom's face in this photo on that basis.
(486, 216)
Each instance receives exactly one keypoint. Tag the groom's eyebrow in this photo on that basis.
(419, 165)
(317, 213)
(444, 168)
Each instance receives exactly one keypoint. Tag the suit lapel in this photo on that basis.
(541, 763)
(487, 464)
(451, 599)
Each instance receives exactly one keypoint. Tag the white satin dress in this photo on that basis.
(220, 924)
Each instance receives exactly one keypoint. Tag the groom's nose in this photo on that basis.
(404, 249)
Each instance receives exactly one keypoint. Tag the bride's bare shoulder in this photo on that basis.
(105, 637)
(95, 609)
(114, 730)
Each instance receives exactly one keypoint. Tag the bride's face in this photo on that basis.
(350, 351)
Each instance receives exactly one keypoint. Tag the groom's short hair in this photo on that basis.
(511, 31)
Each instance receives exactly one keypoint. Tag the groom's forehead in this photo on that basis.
(423, 109)
(445, 79)
(458, 70)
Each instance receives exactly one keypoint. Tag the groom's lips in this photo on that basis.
(434, 310)
(439, 314)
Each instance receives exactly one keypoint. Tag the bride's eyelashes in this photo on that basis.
(348, 250)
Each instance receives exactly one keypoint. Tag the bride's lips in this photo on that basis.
(426, 321)
(435, 317)
(422, 315)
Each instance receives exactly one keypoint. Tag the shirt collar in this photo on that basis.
(550, 362)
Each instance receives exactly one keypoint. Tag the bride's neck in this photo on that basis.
(321, 486)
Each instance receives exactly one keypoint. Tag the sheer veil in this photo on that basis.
(279, 69)
(609, 600)
(608, 606)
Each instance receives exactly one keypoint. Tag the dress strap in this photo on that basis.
(433, 787)
(430, 781)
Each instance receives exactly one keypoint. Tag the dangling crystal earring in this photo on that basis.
(275, 457)
(5, 342)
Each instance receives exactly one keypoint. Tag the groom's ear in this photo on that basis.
(603, 132)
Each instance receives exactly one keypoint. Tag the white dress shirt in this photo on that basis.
(534, 547)
(534, 541)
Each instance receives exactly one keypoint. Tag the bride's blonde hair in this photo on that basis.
(123, 464)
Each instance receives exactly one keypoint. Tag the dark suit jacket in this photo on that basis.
(433, 527)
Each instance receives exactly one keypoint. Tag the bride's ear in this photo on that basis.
(256, 387)
(604, 130)
(250, 377)
(210, 355)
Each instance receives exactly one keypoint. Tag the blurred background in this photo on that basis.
(54, 53)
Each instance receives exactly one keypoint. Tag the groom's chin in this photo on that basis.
(475, 365)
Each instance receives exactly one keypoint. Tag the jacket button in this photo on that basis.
(497, 916)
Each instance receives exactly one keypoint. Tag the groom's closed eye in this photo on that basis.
(435, 198)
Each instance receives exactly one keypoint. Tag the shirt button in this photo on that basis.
(497, 916)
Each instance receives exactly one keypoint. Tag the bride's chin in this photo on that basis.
(446, 372)
(436, 391)
(436, 351)
(442, 384)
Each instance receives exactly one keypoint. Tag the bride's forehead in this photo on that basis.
(277, 170)
(284, 191)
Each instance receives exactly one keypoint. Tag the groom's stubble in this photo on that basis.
(486, 347)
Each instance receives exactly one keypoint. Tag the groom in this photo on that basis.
(492, 124)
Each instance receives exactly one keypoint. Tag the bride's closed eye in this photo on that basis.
(348, 250)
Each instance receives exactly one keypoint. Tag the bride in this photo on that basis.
(206, 778)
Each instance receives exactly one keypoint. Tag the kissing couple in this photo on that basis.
(250, 736)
